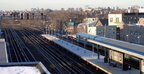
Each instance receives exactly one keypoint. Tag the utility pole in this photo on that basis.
(105, 30)
(0, 20)
(93, 46)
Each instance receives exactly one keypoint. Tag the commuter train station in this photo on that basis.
(117, 53)
(118, 56)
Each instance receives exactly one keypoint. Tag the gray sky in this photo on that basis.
(58, 4)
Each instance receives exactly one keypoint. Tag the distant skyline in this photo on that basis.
(58, 4)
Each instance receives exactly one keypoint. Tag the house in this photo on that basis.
(82, 27)
(105, 31)
(98, 27)
(102, 22)
(72, 27)
(101, 28)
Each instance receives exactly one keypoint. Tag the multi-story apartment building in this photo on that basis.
(124, 18)
(131, 26)
(132, 33)
(98, 27)
(82, 27)
(105, 31)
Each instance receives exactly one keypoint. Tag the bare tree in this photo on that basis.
(59, 18)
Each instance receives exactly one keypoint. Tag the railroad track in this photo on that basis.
(58, 55)
(17, 50)
(55, 58)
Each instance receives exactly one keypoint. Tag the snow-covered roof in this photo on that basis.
(121, 46)
(91, 23)
(3, 51)
(23, 68)
(19, 70)
(86, 35)
(96, 37)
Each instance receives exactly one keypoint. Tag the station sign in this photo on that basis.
(142, 66)
(116, 56)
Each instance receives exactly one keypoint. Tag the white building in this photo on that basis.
(115, 19)
(141, 10)
(105, 31)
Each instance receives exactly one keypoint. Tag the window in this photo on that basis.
(140, 33)
(131, 18)
(128, 18)
(131, 32)
(117, 19)
(111, 19)
(136, 33)
(125, 18)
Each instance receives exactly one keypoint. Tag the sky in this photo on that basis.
(58, 4)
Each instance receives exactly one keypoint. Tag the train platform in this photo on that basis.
(3, 51)
(90, 57)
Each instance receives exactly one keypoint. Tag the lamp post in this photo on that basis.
(54, 32)
(98, 54)
(84, 45)
(46, 29)
(50, 29)
(127, 37)
(78, 43)
(46, 26)
(138, 39)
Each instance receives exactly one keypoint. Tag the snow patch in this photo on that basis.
(19, 70)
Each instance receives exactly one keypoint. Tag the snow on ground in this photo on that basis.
(19, 70)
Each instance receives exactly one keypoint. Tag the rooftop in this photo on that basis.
(91, 23)
(104, 21)
(3, 51)
(73, 23)
(121, 46)
(23, 68)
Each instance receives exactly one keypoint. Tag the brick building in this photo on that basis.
(130, 25)
(132, 33)
(72, 27)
